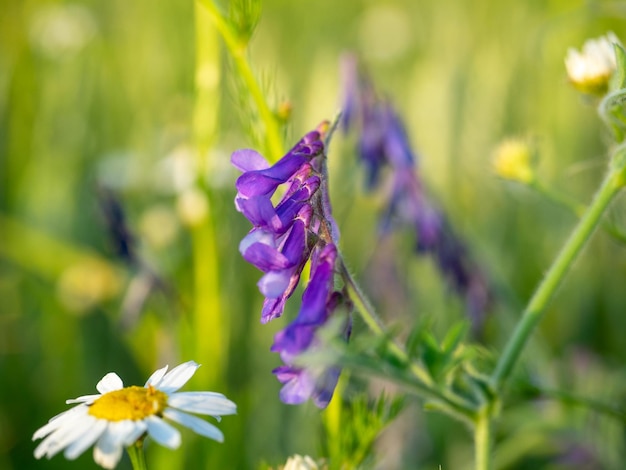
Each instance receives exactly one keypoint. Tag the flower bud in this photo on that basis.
(590, 69)
(513, 161)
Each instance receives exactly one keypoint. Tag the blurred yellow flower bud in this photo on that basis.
(591, 69)
(284, 110)
(513, 160)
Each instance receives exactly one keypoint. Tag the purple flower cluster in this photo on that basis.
(383, 142)
(283, 239)
(318, 302)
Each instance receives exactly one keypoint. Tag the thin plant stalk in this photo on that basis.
(555, 275)
(137, 456)
(482, 441)
(209, 329)
(237, 50)
(457, 406)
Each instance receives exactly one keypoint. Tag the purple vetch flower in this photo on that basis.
(261, 179)
(285, 233)
(319, 301)
(383, 142)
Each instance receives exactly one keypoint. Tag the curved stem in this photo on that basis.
(137, 456)
(548, 286)
(373, 321)
(561, 199)
(423, 382)
(237, 50)
(571, 399)
(576, 208)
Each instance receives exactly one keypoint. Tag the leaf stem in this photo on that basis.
(548, 286)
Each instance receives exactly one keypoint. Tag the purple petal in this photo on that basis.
(265, 182)
(259, 211)
(325, 387)
(313, 310)
(299, 385)
(273, 308)
(396, 142)
(248, 160)
(273, 284)
(266, 258)
(293, 340)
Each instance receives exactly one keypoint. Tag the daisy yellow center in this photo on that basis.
(133, 403)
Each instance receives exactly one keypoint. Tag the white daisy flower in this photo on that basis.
(590, 69)
(298, 462)
(119, 416)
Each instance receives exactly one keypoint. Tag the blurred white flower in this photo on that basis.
(59, 31)
(297, 462)
(119, 416)
(589, 70)
(178, 171)
(159, 226)
(192, 206)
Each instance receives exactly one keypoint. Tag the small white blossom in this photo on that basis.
(589, 70)
(119, 416)
(297, 462)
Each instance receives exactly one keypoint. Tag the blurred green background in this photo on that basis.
(101, 96)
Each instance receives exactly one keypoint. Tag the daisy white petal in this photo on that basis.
(64, 435)
(297, 462)
(124, 432)
(590, 69)
(108, 450)
(118, 434)
(163, 433)
(156, 377)
(85, 440)
(83, 399)
(177, 377)
(57, 421)
(198, 425)
(109, 383)
(133, 435)
(206, 403)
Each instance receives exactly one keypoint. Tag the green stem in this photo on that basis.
(373, 321)
(558, 198)
(237, 50)
(209, 328)
(576, 208)
(548, 286)
(423, 382)
(137, 456)
(482, 440)
(567, 398)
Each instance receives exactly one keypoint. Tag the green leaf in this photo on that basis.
(431, 354)
(454, 337)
